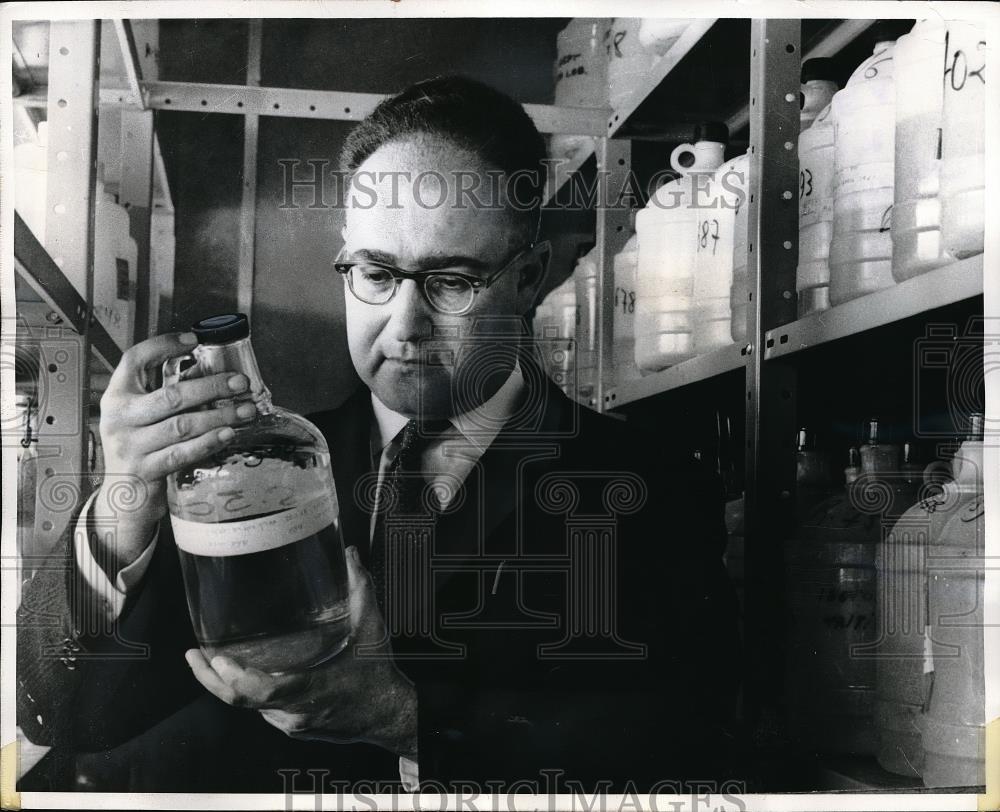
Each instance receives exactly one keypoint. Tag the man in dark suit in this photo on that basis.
(570, 615)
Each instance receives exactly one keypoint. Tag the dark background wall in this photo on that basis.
(298, 302)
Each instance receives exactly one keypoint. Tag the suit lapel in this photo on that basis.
(492, 488)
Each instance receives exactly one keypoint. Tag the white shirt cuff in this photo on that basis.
(113, 593)
(409, 774)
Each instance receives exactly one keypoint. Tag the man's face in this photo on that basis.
(415, 359)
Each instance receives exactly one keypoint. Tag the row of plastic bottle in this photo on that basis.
(116, 254)
(602, 62)
(884, 583)
(891, 185)
(892, 172)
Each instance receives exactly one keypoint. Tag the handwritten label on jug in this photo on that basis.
(886, 222)
(565, 70)
(614, 47)
(872, 70)
(805, 182)
(625, 299)
(958, 71)
(257, 534)
(708, 235)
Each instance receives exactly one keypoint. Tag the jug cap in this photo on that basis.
(886, 30)
(222, 329)
(820, 67)
(974, 426)
(712, 131)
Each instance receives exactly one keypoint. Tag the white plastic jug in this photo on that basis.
(585, 273)
(715, 241)
(963, 163)
(625, 300)
(628, 62)
(555, 322)
(658, 34)
(864, 127)
(115, 268)
(953, 725)
(666, 253)
(567, 315)
(580, 78)
(812, 278)
(916, 211)
(818, 87)
(31, 181)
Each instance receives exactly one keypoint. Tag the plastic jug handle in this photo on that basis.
(937, 473)
(679, 150)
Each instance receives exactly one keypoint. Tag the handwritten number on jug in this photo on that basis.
(708, 230)
(957, 71)
(805, 183)
(872, 71)
(235, 503)
(625, 298)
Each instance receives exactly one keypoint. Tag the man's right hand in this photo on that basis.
(148, 435)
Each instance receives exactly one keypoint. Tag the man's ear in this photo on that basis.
(531, 276)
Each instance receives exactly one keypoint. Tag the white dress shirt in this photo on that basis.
(450, 458)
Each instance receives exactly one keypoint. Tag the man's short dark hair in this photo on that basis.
(469, 114)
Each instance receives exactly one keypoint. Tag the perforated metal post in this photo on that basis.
(74, 48)
(770, 387)
(248, 205)
(614, 161)
(136, 194)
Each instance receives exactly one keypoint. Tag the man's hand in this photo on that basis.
(359, 695)
(148, 435)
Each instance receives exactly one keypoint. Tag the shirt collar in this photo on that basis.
(479, 425)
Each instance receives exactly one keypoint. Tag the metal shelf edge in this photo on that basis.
(699, 368)
(660, 70)
(42, 274)
(946, 285)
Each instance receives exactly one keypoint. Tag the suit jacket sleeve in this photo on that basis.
(86, 682)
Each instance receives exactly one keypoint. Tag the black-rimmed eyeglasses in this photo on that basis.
(447, 291)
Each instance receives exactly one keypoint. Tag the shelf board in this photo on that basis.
(649, 81)
(942, 286)
(699, 368)
(646, 84)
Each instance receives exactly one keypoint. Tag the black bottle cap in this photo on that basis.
(820, 67)
(712, 131)
(222, 329)
(886, 30)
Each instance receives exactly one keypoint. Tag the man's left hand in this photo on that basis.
(356, 696)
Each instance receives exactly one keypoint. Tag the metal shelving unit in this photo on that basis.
(60, 71)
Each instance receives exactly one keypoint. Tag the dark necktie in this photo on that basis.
(407, 508)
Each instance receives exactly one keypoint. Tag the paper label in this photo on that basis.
(246, 536)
